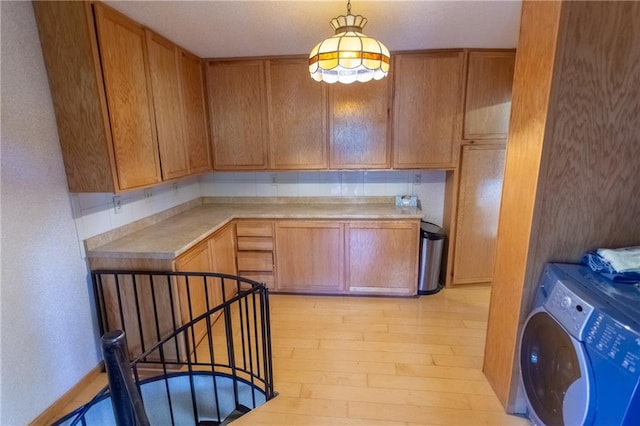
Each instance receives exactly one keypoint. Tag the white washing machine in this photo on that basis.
(580, 350)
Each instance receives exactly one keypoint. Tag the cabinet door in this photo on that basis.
(488, 100)
(165, 80)
(237, 100)
(191, 292)
(222, 246)
(195, 113)
(70, 51)
(383, 257)
(310, 256)
(358, 116)
(427, 109)
(479, 196)
(124, 65)
(297, 116)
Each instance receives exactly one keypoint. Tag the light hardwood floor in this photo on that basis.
(377, 361)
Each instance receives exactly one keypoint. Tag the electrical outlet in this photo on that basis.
(148, 193)
(174, 188)
(417, 178)
(117, 205)
(273, 178)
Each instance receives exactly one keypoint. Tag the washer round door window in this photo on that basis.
(555, 372)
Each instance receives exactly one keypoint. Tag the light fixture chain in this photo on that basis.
(348, 7)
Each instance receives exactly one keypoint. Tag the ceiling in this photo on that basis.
(217, 29)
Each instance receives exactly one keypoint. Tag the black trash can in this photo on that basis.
(431, 246)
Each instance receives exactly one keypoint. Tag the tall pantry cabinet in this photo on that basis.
(481, 168)
(107, 104)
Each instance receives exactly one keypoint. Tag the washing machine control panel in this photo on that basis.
(616, 342)
(569, 309)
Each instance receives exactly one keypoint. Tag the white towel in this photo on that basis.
(623, 259)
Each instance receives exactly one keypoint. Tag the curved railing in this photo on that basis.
(198, 345)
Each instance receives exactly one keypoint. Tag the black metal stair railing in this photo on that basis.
(198, 345)
(128, 408)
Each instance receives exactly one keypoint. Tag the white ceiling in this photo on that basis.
(216, 29)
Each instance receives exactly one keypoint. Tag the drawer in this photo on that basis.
(255, 261)
(262, 277)
(254, 229)
(255, 243)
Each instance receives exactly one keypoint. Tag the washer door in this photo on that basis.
(555, 373)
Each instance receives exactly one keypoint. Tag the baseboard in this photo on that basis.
(54, 412)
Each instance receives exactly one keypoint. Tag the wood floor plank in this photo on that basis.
(410, 321)
(481, 325)
(313, 407)
(458, 361)
(429, 384)
(429, 339)
(418, 415)
(393, 396)
(413, 358)
(286, 343)
(300, 318)
(437, 371)
(290, 389)
(336, 366)
(484, 403)
(430, 330)
(323, 377)
(258, 418)
(387, 346)
(326, 333)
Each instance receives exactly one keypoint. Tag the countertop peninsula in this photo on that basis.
(172, 236)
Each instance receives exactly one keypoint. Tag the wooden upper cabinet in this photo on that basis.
(195, 113)
(128, 91)
(237, 105)
(101, 96)
(359, 125)
(70, 50)
(129, 104)
(428, 89)
(165, 81)
(488, 101)
(297, 107)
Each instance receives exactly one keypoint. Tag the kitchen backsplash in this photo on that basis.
(94, 213)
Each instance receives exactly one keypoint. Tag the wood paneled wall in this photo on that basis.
(571, 180)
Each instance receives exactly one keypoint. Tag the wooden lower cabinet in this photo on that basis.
(184, 299)
(256, 251)
(222, 252)
(310, 256)
(382, 257)
(354, 257)
(192, 295)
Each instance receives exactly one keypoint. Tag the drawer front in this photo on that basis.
(255, 261)
(262, 277)
(255, 243)
(254, 229)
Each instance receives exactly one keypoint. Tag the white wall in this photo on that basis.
(427, 185)
(48, 335)
(94, 213)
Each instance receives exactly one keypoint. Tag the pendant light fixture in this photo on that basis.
(349, 55)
